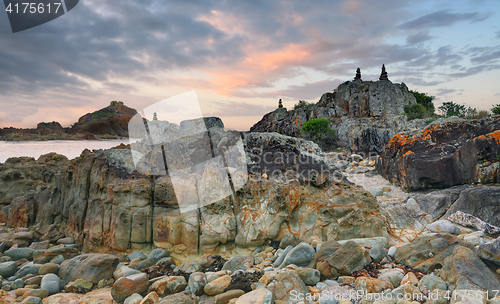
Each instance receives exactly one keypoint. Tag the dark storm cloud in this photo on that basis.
(442, 18)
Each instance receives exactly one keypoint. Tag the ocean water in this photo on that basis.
(69, 148)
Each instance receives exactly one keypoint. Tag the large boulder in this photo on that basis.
(428, 252)
(91, 267)
(465, 270)
(446, 153)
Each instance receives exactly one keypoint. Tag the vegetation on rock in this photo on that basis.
(319, 131)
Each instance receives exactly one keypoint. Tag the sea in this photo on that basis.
(68, 148)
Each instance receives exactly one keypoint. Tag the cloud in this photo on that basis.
(418, 37)
(239, 109)
(441, 19)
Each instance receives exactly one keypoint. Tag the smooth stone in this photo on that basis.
(39, 292)
(52, 283)
(57, 259)
(124, 271)
(185, 297)
(30, 268)
(17, 284)
(19, 253)
(217, 286)
(197, 282)
(392, 251)
(377, 253)
(432, 282)
(8, 269)
(72, 286)
(134, 298)
(188, 267)
(393, 276)
(158, 253)
(32, 300)
(238, 263)
(443, 226)
(126, 286)
(280, 259)
(137, 255)
(40, 245)
(66, 241)
(227, 296)
(301, 255)
(258, 296)
(309, 276)
(48, 268)
(168, 285)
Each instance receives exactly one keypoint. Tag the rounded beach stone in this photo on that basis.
(48, 268)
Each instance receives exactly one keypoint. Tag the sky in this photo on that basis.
(241, 57)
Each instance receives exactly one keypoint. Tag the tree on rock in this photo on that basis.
(496, 109)
(425, 100)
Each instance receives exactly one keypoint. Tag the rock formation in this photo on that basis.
(366, 114)
(109, 122)
(383, 75)
(446, 153)
(104, 203)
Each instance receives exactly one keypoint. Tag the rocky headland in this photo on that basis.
(110, 122)
(419, 224)
(365, 114)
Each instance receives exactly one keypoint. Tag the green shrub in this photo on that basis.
(301, 104)
(496, 109)
(425, 100)
(318, 130)
(452, 109)
(416, 110)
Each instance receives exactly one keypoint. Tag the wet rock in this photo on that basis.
(52, 283)
(466, 271)
(17, 284)
(197, 282)
(90, 267)
(282, 256)
(301, 255)
(45, 256)
(36, 280)
(320, 259)
(126, 286)
(443, 226)
(258, 296)
(436, 203)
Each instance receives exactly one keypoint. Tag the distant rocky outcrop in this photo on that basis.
(105, 204)
(448, 152)
(366, 114)
(109, 122)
